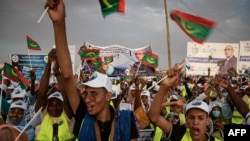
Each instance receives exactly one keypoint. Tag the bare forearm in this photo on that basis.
(241, 106)
(156, 106)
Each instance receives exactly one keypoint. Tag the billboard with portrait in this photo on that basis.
(219, 57)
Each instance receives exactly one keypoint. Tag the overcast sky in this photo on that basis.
(143, 23)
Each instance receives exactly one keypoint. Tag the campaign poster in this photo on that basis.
(24, 62)
(123, 57)
(219, 57)
(244, 57)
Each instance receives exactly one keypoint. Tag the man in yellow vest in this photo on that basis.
(196, 113)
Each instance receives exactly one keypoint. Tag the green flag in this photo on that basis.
(89, 54)
(111, 6)
(232, 72)
(210, 57)
(9, 72)
(150, 59)
(220, 63)
(128, 79)
(97, 63)
(32, 45)
(197, 28)
(108, 59)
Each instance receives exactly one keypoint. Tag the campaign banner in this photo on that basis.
(123, 57)
(244, 57)
(25, 62)
(219, 57)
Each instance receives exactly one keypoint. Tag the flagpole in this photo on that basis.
(29, 59)
(27, 125)
(168, 34)
(138, 69)
(1, 96)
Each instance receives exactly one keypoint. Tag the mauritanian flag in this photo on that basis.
(150, 59)
(32, 45)
(111, 6)
(88, 54)
(221, 63)
(108, 59)
(9, 72)
(97, 63)
(232, 72)
(22, 81)
(197, 28)
(13, 74)
(210, 57)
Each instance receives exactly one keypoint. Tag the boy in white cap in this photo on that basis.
(196, 112)
(94, 117)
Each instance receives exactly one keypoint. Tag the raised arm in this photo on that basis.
(57, 14)
(155, 110)
(44, 84)
(57, 74)
(241, 106)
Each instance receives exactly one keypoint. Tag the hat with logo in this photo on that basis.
(98, 80)
(18, 93)
(197, 104)
(57, 95)
(19, 104)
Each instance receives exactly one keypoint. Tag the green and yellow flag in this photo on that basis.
(108, 59)
(232, 72)
(210, 57)
(221, 63)
(197, 28)
(111, 6)
(9, 72)
(88, 54)
(32, 45)
(150, 59)
(97, 63)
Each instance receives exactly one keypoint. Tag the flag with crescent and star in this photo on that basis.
(197, 28)
(88, 54)
(150, 59)
(32, 45)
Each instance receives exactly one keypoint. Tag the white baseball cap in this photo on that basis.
(98, 80)
(18, 93)
(19, 104)
(173, 97)
(198, 104)
(146, 93)
(57, 95)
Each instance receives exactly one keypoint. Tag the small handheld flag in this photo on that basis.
(232, 72)
(108, 59)
(32, 45)
(150, 59)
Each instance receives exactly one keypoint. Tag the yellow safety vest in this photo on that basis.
(46, 129)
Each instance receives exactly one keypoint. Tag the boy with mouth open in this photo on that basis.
(196, 114)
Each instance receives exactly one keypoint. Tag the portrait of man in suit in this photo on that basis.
(140, 68)
(230, 60)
